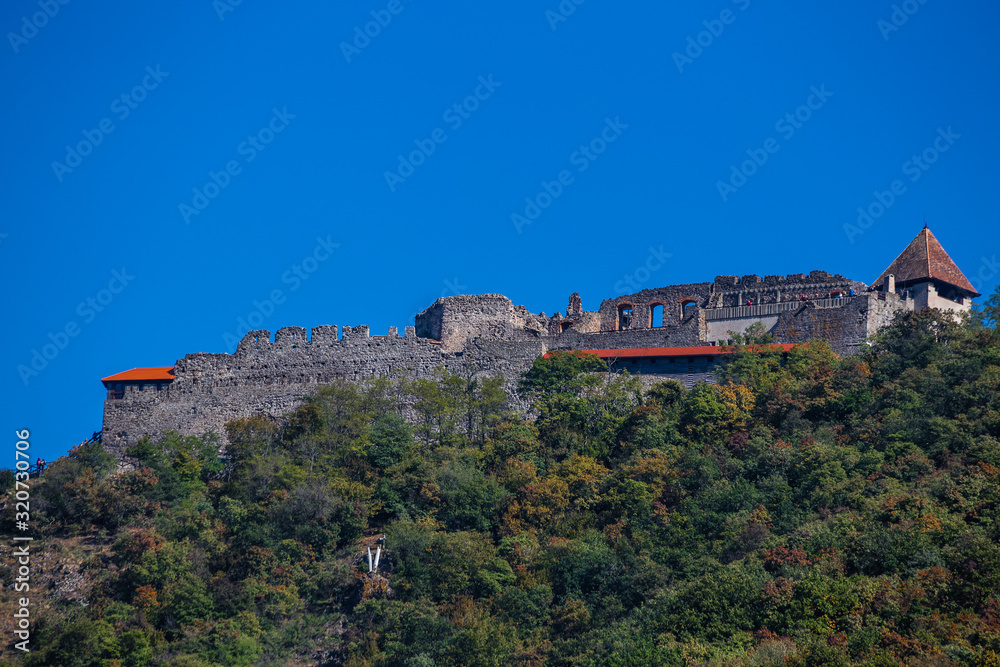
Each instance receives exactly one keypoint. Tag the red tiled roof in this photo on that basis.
(925, 259)
(699, 351)
(137, 374)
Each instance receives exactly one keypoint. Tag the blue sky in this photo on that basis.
(206, 150)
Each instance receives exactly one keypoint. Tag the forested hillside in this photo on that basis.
(807, 510)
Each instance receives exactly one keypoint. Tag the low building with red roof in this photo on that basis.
(153, 379)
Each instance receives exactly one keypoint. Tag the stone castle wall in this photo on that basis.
(672, 299)
(491, 335)
(688, 371)
(731, 291)
(724, 292)
(265, 377)
(845, 328)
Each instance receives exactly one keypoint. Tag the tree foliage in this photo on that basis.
(806, 510)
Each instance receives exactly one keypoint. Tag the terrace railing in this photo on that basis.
(765, 309)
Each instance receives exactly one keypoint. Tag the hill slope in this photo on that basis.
(811, 511)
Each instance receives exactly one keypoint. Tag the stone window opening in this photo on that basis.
(687, 304)
(655, 315)
(625, 317)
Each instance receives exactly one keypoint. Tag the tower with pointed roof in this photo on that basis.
(926, 274)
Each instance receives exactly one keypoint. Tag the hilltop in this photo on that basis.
(806, 509)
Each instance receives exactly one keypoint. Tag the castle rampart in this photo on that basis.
(271, 376)
(488, 334)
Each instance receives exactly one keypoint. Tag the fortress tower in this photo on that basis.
(926, 274)
(676, 331)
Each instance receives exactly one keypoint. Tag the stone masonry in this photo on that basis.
(488, 335)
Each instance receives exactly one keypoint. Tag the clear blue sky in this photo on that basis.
(553, 86)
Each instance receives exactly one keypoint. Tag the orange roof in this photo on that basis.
(137, 374)
(925, 259)
(699, 351)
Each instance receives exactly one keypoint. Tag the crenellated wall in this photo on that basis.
(488, 334)
(730, 291)
(265, 377)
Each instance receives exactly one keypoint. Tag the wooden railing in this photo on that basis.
(765, 309)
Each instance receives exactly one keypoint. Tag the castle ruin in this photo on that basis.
(667, 332)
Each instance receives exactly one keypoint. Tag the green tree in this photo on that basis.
(561, 372)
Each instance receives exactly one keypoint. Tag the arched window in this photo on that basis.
(656, 315)
(624, 316)
(686, 306)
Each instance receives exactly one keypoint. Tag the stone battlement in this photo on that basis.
(271, 375)
(769, 281)
(487, 334)
(295, 337)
